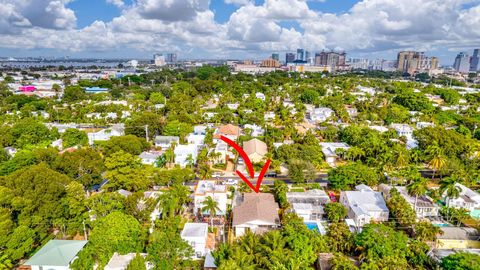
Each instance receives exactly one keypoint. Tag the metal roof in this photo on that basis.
(57, 253)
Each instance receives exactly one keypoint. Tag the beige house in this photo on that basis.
(257, 213)
(255, 149)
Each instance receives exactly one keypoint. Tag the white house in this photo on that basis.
(423, 205)
(200, 130)
(11, 151)
(184, 152)
(233, 106)
(403, 130)
(149, 157)
(321, 114)
(196, 235)
(468, 199)
(258, 213)
(367, 90)
(106, 134)
(269, 116)
(198, 140)
(329, 150)
(260, 96)
(56, 255)
(380, 129)
(206, 189)
(364, 205)
(165, 142)
(121, 262)
(308, 205)
(257, 131)
(421, 125)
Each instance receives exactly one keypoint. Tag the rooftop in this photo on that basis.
(365, 201)
(195, 230)
(57, 253)
(206, 186)
(118, 261)
(459, 233)
(256, 206)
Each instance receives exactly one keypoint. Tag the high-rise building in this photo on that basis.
(358, 63)
(412, 62)
(307, 57)
(300, 55)
(159, 60)
(289, 58)
(462, 63)
(276, 56)
(474, 62)
(270, 62)
(331, 59)
(171, 58)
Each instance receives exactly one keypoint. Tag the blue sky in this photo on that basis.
(237, 28)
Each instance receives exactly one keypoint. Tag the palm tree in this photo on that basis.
(417, 188)
(190, 160)
(210, 206)
(5, 262)
(169, 155)
(437, 159)
(449, 185)
(204, 171)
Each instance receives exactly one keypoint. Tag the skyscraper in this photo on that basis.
(289, 58)
(159, 60)
(276, 56)
(474, 62)
(171, 58)
(300, 55)
(462, 63)
(412, 62)
(307, 57)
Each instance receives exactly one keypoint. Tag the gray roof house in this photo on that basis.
(309, 204)
(56, 255)
(424, 206)
(164, 142)
(258, 213)
(364, 205)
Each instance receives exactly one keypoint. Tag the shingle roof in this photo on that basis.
(255, 146)
(229, 129)
(57, 253)
(256, 206)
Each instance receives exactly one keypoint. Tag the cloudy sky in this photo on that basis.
(237, 28)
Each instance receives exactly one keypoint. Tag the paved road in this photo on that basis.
(321, 179)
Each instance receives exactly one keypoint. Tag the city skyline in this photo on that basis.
(221, 29)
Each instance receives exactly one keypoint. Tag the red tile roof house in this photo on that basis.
(257, 213)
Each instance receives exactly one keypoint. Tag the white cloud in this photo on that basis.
(16, 15)
(238, 2)
(189, 25)
(117, 3)
(171, 10)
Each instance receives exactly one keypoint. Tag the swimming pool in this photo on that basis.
(441, 224)
(315, 226)
(312, 226)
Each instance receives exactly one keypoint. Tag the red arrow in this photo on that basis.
(249, 164)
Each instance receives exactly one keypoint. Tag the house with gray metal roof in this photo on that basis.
(364, 205)
(56, 255)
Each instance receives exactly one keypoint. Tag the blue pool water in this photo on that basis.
(441, 224)
(312, 226)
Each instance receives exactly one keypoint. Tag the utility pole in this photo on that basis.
(146, 132)
(84, 230)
